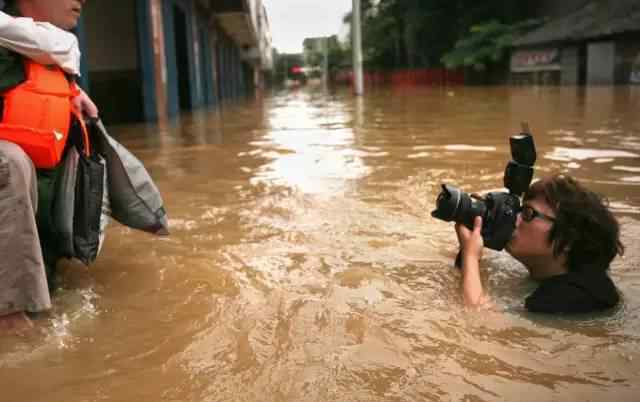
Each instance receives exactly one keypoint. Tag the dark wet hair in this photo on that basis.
(584, 228)
(7, 4)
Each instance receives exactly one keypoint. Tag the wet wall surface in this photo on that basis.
(304, 265)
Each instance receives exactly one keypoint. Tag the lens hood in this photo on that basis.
(447, 203)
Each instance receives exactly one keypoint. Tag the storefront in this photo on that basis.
(596, 44)
(539, 66)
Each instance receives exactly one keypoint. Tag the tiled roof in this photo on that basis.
(596, 19)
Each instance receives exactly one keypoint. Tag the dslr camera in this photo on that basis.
(498, 210)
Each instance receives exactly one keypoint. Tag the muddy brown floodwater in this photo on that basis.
(304, 265)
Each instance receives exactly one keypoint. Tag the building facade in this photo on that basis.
(145, 60)
(583, 43)
(312, 48)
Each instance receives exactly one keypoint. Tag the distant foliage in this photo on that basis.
(432, 33)
(338, 54)
(486, 44)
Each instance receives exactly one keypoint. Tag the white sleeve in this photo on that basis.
(41, 42)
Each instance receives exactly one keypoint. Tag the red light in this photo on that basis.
(296, 70)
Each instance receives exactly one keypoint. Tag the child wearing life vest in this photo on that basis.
(37, 101)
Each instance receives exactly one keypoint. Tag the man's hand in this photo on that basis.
(471, 242)
(83, 104)
(471, 247)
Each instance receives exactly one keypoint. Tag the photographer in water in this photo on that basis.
(562, 232)
(566, 237)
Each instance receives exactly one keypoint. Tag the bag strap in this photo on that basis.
(85, 133)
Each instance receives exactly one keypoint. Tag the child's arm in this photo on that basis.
(41, 42)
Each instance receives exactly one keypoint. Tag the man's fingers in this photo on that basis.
(85, 105)
(89, 108)
(477, 224)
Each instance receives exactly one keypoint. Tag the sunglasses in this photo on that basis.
(528, 214)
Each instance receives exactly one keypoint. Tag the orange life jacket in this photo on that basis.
(37, 114)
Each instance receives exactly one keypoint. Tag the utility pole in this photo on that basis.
(357, 49)
(325, 66)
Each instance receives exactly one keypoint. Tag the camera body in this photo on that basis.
(499, 210)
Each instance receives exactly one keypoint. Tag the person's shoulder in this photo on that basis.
(9, 60)
(575, 292)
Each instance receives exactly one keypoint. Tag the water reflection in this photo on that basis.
(311, 146)
(581, 154)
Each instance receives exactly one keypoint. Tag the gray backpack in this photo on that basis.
(135, 200)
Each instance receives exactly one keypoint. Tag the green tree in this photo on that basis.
(338, 54)
(418, 33)
(486, 44)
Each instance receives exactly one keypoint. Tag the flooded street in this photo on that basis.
(304, 265)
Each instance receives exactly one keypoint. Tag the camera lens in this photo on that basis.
(447, 203)
(455, 205)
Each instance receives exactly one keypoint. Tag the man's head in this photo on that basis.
(61, 13)
(566, 223)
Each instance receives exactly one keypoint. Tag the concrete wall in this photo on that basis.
(601, 63)
(627, 54)
(114, 20)
(569, 61)
(111, 54)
